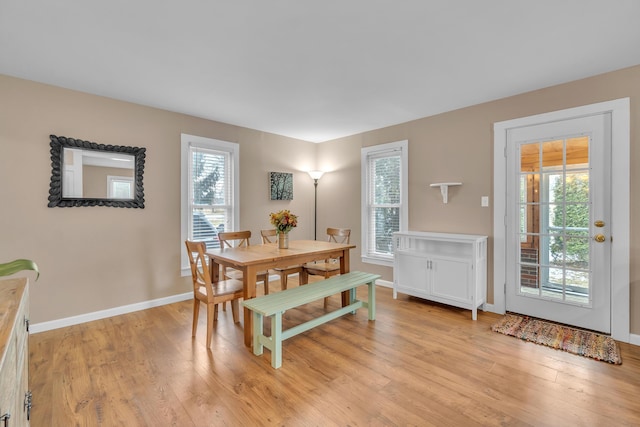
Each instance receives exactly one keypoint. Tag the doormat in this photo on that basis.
(576, 341)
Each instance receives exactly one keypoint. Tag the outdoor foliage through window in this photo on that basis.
(386, 201)
(571, 205)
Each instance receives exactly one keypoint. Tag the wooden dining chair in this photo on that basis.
(328, 267)
(239, 239)
(211, 294)
(270, 236)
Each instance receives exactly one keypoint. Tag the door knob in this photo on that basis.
(599, 238)
(599, 223)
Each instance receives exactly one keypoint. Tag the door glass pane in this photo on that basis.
(529, 278)
(577, 190)
(577, 284)
(556, 250)
(554, 220)
(552, 154)
(578, 151)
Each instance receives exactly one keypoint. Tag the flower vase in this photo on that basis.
(283, 240)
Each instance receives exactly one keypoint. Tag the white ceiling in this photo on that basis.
(315, 70)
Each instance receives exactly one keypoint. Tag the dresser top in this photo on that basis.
(440, 236)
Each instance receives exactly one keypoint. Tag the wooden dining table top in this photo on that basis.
(269, 253)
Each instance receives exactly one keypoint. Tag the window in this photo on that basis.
(119, 187)
(210, 177)
(384, 199)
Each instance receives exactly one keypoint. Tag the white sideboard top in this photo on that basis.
(440, 236)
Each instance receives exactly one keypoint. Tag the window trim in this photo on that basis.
(365, 153)
(233, 149)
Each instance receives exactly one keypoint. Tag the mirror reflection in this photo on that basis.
(85, 173)
(97, 175)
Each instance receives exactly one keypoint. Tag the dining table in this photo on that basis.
(253, 258)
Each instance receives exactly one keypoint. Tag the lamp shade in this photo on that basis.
(316, 174)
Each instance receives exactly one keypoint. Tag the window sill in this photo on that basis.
(387, 262)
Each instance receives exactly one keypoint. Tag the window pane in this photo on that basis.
(209, 178)
(386, 173)
(387, 222)
(210, 193)
(206, 225)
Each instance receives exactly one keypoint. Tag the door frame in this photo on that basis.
(620, 216)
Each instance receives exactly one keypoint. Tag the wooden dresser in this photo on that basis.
(15, 397)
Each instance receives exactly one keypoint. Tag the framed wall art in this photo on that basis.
(281, 185)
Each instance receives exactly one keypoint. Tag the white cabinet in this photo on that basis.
(442, 267)
(15, 397)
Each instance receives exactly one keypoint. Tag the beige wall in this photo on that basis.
(78, 274)
(113, 256)
(458, 146)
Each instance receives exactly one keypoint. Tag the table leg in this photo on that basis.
(344, 268)
(249, 291)
(215, 270)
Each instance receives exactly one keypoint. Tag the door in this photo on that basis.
(558, 243)
(72, 185)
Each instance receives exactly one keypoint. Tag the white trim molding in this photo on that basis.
(111, 312)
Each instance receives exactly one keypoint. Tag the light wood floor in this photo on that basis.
(418, 364)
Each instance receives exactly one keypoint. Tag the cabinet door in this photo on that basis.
(450, 279)
(9, 381)
(411, 272)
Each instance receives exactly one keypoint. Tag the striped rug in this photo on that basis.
(576, 341)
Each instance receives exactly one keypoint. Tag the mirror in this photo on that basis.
(85, 173)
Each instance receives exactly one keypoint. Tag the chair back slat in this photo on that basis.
(199, 267)
(338, 235)
(269, 235)
(234, 239)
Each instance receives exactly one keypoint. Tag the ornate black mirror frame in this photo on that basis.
(58, 143)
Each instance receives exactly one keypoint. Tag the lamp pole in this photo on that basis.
(315, 209)
(315, 175)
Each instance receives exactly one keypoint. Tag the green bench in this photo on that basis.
(275, 304)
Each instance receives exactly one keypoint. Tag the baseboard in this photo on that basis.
(103, 314)
(491, 308)
(384, 283)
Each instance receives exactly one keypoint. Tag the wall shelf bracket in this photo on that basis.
(444, 189)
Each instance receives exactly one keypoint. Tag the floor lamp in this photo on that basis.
(315, 175)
